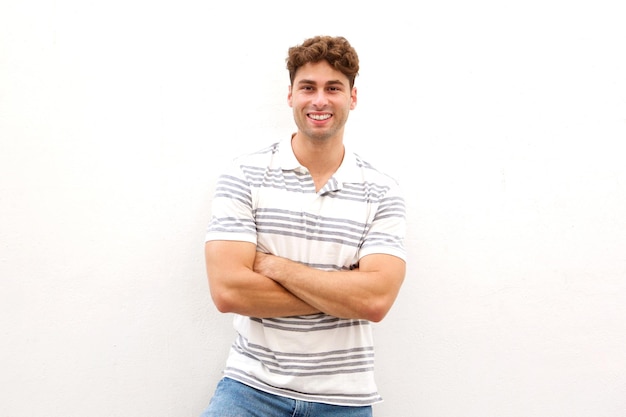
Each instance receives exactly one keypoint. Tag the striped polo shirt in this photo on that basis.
(268, 198)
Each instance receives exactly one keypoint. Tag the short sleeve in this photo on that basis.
(387, 232)
(232, 216)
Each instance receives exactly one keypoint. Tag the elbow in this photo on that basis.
(225, 296)
(376, 316)
(378, 305)
(222, 303)
(376, 311)
(223, 299)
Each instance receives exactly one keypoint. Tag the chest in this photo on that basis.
(322, 228)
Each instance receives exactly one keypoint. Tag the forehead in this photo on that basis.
(320, 73)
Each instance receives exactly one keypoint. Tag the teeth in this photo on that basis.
(319, 116)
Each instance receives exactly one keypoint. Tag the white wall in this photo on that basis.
(504, 121)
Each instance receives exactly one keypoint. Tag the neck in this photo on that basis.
(321, 157)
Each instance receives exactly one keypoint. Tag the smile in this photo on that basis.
(324, 116)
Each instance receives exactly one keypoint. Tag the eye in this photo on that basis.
(334, 88)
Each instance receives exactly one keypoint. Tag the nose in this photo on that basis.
(320, 100)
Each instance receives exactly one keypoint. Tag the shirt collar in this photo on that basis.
(348, 172)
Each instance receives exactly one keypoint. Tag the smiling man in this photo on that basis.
(306, 247)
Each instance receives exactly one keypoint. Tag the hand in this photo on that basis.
(264, 264)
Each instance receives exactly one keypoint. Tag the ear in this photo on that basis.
(290, 97)
(353, 98)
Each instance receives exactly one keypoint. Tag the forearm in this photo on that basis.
(251, 294)
(327, 291)
(362, 294)
(236, 288)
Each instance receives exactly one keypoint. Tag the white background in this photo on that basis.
(504, 121)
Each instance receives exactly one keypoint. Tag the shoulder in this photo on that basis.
(372, 174)
(251, 163)
(258, 155)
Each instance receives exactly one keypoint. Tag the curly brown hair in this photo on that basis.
(337, 51)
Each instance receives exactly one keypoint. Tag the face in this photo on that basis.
(321, 99)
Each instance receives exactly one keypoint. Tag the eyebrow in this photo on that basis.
(311, 82)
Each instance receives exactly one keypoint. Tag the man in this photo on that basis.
(305, 246)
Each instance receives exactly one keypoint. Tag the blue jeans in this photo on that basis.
(234, 399)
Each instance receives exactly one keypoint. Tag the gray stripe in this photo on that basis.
(335, 362)
(307, 327)
(309, 227)
(382, 239)
(232, 187)
(292, 181)
(307, 237)
(280, 213)
(278, 368)
(229, 181)
(287, 355)
(232, 225)
(277, 178)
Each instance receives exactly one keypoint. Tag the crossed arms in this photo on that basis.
(255, 284)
